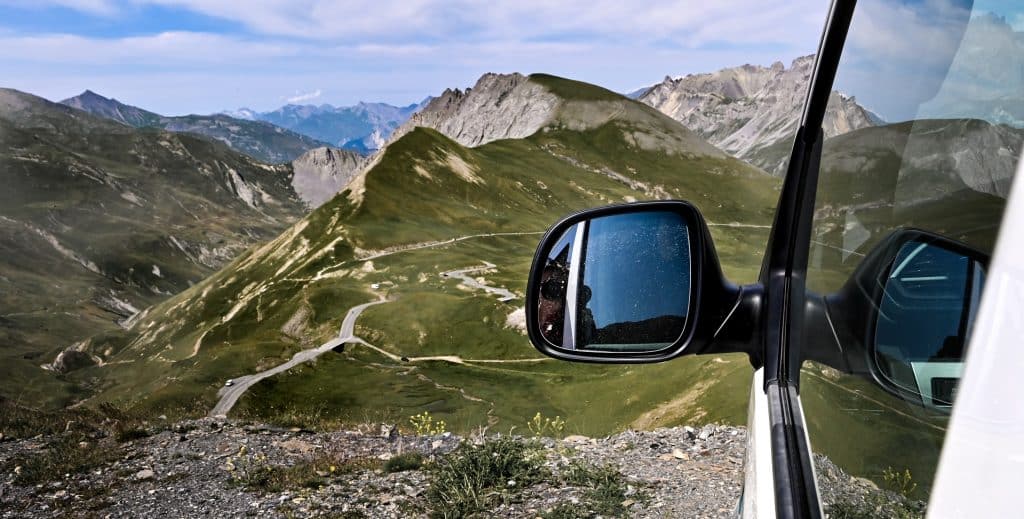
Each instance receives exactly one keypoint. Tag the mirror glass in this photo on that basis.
(930, 299)
(617, 283)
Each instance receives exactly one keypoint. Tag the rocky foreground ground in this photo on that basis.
(223, 469)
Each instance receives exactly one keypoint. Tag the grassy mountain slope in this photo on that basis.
(426, 189)
(98, 219)
(258, 139)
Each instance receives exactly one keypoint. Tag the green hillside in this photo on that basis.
(429, 205)
(98, 219)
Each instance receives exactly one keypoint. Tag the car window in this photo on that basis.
(943, 81)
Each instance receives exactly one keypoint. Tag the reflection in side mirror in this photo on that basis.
(929, 301)
(617, 283)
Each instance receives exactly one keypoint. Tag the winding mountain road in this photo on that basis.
(229, 395)
(504, 293)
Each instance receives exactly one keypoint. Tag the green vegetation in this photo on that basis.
(900, 482)
(424, 424)
(403, 462)
(253, 472)
(468, 363)
(606, 488)
(888, 431)
(76, 440)
(477, 477)
(574, 90)
(872, 509)
(541, 425)
(138, 215)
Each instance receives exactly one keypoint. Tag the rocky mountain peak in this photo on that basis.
(498, 106)
(111, 108)
(746, 110)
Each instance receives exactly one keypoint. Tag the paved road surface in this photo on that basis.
(505, 294)
(229, 395)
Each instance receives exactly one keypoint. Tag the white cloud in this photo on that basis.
(163, 49)
(391, 21)
(400, 50)
(100, 7)
(897, 55)
(301, 98)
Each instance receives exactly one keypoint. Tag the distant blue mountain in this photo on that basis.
(363, 127)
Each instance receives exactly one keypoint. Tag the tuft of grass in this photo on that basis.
(568, 511)
(606, 487)
(900, 482)
(254, 473)
(476, 477)
(876, 505)
(18, 421)
(127, 434)
(74, 439)
(402, 462)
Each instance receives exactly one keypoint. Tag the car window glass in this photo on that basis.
(943, 82)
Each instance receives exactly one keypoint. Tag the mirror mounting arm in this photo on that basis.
(740, 327)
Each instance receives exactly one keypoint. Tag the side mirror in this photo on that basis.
(904, 318)
(628, 283)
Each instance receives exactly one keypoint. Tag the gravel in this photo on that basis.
(193, 469)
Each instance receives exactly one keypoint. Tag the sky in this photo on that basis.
(203, 56)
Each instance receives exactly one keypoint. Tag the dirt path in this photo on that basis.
(371, 255)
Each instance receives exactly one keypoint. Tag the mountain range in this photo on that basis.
(99, 219)
(466, 184)
(363, 128)
(469, 183)
(263, 141)
(751, 111)
(319, 170)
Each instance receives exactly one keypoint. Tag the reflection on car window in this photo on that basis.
(927, 310)
(943, 80)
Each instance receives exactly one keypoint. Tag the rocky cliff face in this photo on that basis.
(750, 110)
(322, 172)
(499, 106)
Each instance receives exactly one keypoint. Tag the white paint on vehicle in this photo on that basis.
(982, 460)
(758, 499)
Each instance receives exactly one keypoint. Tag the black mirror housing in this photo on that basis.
(631, 283)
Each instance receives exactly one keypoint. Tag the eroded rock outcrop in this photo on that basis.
(499, 106)
(322, 172)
